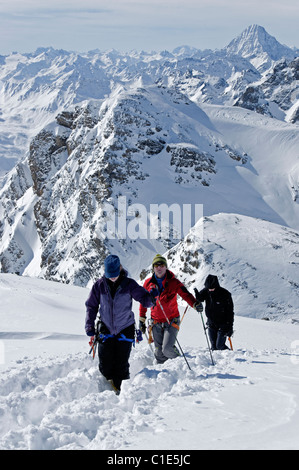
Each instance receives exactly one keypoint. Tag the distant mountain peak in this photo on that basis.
(255, 40)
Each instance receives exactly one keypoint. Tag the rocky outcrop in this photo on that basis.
(190, 164)
(86, 159)
(276, 94)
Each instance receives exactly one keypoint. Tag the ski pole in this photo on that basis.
(205, 331)
(184, 313)
(158, 300)
(230, 342)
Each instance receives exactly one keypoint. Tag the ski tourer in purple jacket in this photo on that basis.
(111, 296)
(114, 303)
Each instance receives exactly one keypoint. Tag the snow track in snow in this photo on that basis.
(64, 403)
(52, 395)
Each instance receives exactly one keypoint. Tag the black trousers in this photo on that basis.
(217, 337)
(114, 356)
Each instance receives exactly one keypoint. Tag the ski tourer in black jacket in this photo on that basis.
(219, 307)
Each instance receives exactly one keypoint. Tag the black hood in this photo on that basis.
(211, 282)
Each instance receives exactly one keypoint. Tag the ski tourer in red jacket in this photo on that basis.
(165, 316)
(168, 297)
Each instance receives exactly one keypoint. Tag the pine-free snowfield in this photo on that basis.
(52, 396)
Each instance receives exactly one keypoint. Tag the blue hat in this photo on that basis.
(112, 266)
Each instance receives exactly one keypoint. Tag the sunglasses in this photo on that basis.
(159, 264)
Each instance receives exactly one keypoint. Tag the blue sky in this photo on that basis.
(124, 25)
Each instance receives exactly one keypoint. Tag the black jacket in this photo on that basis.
(219, 307)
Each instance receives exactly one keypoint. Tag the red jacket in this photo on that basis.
(168, 297)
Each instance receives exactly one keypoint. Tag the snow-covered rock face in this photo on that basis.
(140, 146)
(88, 159)
(276, 94)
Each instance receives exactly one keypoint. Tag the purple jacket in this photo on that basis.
(115, 312)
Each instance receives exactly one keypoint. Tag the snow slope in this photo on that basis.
(52, 396)
(256, 260)
(268, 184)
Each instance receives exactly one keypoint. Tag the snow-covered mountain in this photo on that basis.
(35, 87)
(126, 131)
(255, 44)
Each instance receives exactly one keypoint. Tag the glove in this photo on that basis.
(228, 330)
(198, 306)
(90, 333)
(91, 341)
(154, 294)
(139, 336)
(142, 324)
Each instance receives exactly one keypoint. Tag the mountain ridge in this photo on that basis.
(34, 87)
